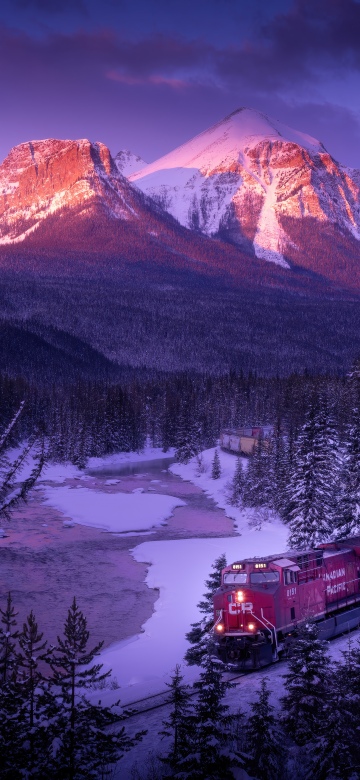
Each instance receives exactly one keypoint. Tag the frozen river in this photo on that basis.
(45, 564)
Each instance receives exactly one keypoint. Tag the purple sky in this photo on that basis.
(147, 75)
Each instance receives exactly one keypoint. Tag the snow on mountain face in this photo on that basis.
(128, 163)
(240, 178)
(40, 178)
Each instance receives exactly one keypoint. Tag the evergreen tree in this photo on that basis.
(210, 757)
(335, 752)
(10, 701)
(348, 516)
(87, 749)
(216, 467)
(237, 487)
(264, 740)
(8, 636)
(38, 708)
(187, 441)
(279, 469)
(198, 636)
(258, 488)
(307, 684)
(11, 491)
(179, 725)
(313, 482)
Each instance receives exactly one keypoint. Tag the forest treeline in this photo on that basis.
(182, 410)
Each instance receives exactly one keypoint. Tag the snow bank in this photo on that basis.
(115, 512)
(178, 568)
(220, 491)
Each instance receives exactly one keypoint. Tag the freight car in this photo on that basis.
(262, 601)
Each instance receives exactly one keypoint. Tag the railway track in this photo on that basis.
(158, 700)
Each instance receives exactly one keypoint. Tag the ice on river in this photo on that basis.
(115, 512)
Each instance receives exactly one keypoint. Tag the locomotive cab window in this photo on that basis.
(289, 576)
(262, 577)
(235, 576)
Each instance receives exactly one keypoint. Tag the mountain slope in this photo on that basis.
(245, 176)
(45, 354)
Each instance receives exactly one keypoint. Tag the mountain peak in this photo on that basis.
(245, 176)
(128, 163)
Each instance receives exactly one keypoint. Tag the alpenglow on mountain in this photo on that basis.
(252, 181)
(250, 202)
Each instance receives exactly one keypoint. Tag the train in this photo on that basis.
(262, 601)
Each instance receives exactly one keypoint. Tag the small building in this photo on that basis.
(243, 440)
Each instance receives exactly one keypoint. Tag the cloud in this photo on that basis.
(296, 50)
(122, 78)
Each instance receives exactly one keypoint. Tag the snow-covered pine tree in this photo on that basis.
(264, 739)
(187, 437)
(210, 756)
(312, 491)
(237, 487)
(348, 515)
(258, 488)
(198, 636)
(11, 491)
(86, 747)
(280, 468)
(307, 686)
(216, 466)
(179, 725)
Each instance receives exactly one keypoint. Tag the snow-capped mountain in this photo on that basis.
(252, 180)
(128, 163)
(61, 198)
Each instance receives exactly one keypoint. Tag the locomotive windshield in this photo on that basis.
(235, 576)
(264, 576)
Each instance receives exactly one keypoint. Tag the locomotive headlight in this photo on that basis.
(251, 626)
(240, 595)
(219, 627)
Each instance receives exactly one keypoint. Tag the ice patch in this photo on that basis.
(112, 511)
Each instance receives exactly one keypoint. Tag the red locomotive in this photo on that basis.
(262, 600)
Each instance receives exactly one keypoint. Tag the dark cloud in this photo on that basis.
(318, 31)
(294, 58)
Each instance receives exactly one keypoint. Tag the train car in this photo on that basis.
(262, 601)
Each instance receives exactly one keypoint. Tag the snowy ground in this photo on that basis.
(239, 698)
(220, 491)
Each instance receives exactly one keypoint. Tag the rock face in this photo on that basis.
(246, 177)
(40, 178)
